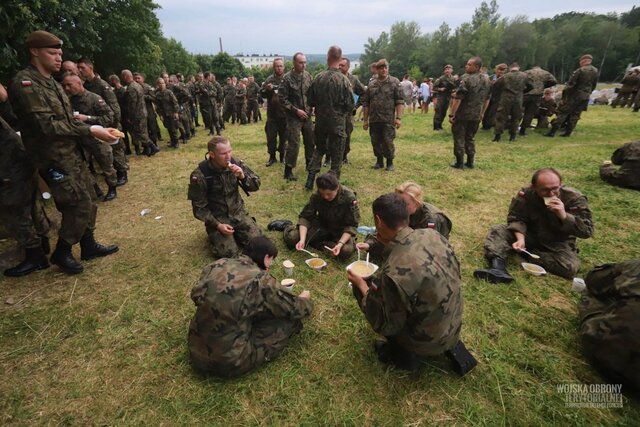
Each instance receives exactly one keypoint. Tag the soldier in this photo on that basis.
(466, 108)
(184, 99)
(241, 102)
(218, 102)
(293, 98)
(169, 111)
(540, 80)
(358, 89)
(216, 201)
(628, 175)
(93, 110)
(442, 89)
(546, 218)
(382, 109)
(509, 114)
(546, 109)
(21, 212)
(414, 299)
(149, 99)
(193, 107)
(135, 115)
(253, 109)
(331, 96)
(276, 126)
(120, 93)
(329, 219)
(203, 95)
(495, 92)
(575, 97)
(229, 101)
(609, 321)
(244, 318)
(47, 126)
(630, 83)
(70, 67)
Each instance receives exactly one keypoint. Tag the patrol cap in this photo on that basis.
(587, 56)
(41, 38)
(382, 63)
(448, 66)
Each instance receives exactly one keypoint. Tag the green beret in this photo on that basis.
(43, 39)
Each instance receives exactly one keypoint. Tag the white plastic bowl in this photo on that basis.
(361, 266)
(534, 269)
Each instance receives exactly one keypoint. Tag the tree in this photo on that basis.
(224, 65)
(176, 59)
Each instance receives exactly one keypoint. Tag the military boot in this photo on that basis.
(389, 352)
(63, 258)
(512, 137)
(379, 163)
(496, 137)
(459, 164)
(122, 178)
(111, 194)
(288, 174)
(281, 156)
(310, 180)
(523, 131)
(44, 244)
(34, 260)
(469, 163)
(552, 131)
(90, 249)
(153, 150)
(271, 161)
(390, 165)
(497, 273)
(98, 190)
(567, 132)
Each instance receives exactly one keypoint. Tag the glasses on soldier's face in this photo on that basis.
(555, 190)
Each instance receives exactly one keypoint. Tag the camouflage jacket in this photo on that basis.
(341, 215)
(233, 295)
(102, 88)
(581, 83)
(166, 103)
(16, 169)
(219, 92)
(381, 99)
(443, 86)
(45, 118)
(330, 93)
(229, 94)
(135, 108)
(628, 158)
(630, 82)
(214, 193)
(181, 92)
(548, 107)
(205, 92)
(274, 107)
(358, 89)
(293, 92)
(516, 83)
(149, 98)
(415, 295)
(472, 91)
(93, 105)
(241, 95)
(252, 91)
(540, 80)
(529, 215)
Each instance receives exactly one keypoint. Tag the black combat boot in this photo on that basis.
(271, 161)
(459, 164)
(34, 260)
(90, 249)
(281, 156)
(552, 131)
(469, 163)
(512, 137)
(379, 163)
(152, 150)
(523, 131)
(288, 174)
(567, 132)
(390, 353)
(63, 258)
(496, 137)
(279, 225)
(44, 244)
(390, 165)
(122, 178)
(310, 180)
(497, 273)
(111, 194)
(98, 190)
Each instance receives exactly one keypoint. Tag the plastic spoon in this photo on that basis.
(310, 253)
(534, 256)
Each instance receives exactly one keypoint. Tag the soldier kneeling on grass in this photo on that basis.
(244, 318)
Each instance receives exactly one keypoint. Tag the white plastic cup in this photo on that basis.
(578, 285)
(288, 267)
(288, 283)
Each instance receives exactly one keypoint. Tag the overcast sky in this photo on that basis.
(286, 26)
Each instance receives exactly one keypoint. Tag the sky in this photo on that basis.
(286, 26)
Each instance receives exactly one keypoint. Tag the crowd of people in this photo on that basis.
(244, 318)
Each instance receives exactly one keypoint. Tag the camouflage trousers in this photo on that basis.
(120, 162)
(184, 121)
(318, 237)
(440, 113)
(139, 133)
(626, 177)
(530, 106)
(559, 258)
(509, 114)
(347, 141)
(241, 113)
(489, 116)
(152, 126)
(253, 110)
(23, 217)
(328, 140)
(229, 112)
(171, 124)
(223, 246)
(624, 99)
(103, 155)
(569, 112)
(276, 132)
(296, 127)
(268, 340)
(543, 120)
(382, 137)
(207, 116)
(464, 132)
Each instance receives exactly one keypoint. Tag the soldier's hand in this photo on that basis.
(3, 93)
(236, 170)
(398, 123)
(358, 282)
(176, 116)
(365, 125)
(103, 134)
(81, 117)
(305, 294)
(362, 246)
(452, 119)
(335, 251)
(225, 229)
(268, 86)
(518, 245)
(302, 114)
(557, 207)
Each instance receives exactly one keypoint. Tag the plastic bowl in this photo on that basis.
(362, 268)
(288, 283)
(316, 263)
(534, 269)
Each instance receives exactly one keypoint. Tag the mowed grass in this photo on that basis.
(108, 347)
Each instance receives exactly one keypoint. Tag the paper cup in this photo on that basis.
(288, 283)
(288, 267)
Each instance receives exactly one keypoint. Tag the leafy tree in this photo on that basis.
(176, 59)
(224, 65)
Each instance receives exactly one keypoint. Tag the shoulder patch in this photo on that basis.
(521, 193)
(194, 179)
(573, 209)
(26, 83)
(355, 203)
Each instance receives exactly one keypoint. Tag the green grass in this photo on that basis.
(108, 347)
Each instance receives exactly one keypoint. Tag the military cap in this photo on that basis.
(382, 63)
(449, 66)
(43, 39)
(587, 56)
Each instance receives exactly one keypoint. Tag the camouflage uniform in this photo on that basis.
(293, 96)
(218, 102)
(414, 298)
(546, 109)
(358, 89)
(152, 118)
(48, 130)
(168, 107)
(625, 96)
(229, 106)
(575, 97)
(442, 89)
(380, 100)
(628, 175)
(92, 105)
(545, 234)
(327, 221)
(610, 321)
(472, 92)
(206, 96)
(509, 113)
(243, 318)
(495, 92)
(330, 93)
(276, 126)
(253, 109)
(184, 99)
(540, 80)
(215, 199)
(121, 94)
(134, 116)
(240, 104)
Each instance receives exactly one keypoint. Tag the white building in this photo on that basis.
(256, 60)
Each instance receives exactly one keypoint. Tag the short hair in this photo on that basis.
(70, 74)
(215, 141)
(514, 65)
(501, 67)
(295, 55)
(344, 58)
(476, 60)
(278, 59)
(85, 61)
(406, 76)
(334, 53)
(327, 181)
(259, 247)
(536, 174)
(391, 209)
(412, 189)
(113, 77)
(206, 74)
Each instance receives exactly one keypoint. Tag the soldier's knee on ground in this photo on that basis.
(347, 250)
(291, 236)
(566, 268)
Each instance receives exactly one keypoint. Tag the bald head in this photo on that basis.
(127, 76)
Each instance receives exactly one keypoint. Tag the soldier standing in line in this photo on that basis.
(442, 89)
(328, 220)
(203, 92)
(293, 98)
(135, 115)
(509, 114)
(495, 91)
(121, 92)
(382, 109)
(244, 318)
(216, 200)
(241, 102)
(193, 107)
(331, 96)
(229, 111)
(149, 99)
(183, 97)
(414, 299)
(276, 126)
(169, 111)
(575, 97)
(540, 80)
(48, 128)
(630, 83)
(253, 109)
(628, 174)
(544, 218)
(358, 89)
(218, 102)
(466, 107)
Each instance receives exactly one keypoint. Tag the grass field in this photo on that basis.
(108, 347)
